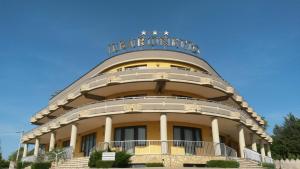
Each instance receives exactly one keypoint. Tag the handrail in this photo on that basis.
(175, 147)
(130, 98)
(252, 155)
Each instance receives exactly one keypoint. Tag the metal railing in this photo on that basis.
(128, 99)
(171, 147)
(267, 159)
(252, 155)
(31, 158)
(255, 156)
(55, 155)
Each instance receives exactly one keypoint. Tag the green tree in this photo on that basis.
(3, 163)
(286, 139)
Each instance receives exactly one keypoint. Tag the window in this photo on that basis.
(87, 143)
(187, 137)
(136, 67)
(187, 133)
(180, 67)
(66, 143)
(131, 133)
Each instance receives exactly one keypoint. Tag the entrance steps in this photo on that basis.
(75, 163)
(82, 163)
(248, 164)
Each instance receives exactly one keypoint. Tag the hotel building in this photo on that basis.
(157, 104)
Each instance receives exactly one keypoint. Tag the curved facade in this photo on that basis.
(151, 102)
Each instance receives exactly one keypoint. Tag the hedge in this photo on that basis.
(41, 165)
(268, 165)
(154, 164)
(223, 164)
(21, 165)
(122, 160)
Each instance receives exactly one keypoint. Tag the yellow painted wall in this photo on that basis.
(153, 64)
(153, 133)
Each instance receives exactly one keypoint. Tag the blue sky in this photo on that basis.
(45, 45)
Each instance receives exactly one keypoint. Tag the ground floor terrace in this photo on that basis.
(153, 133)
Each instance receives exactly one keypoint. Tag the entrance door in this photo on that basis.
(88, 142)
(187, 137)
(128, 137)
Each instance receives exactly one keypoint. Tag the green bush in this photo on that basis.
(94, 157)
(268, 165)
(41, 165)
(122, 160)
(223, 164)
(154, 164)
(104, 164)
(21, 165)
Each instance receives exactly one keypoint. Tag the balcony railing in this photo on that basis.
(255, 156)
(62, 154)
(173, 147)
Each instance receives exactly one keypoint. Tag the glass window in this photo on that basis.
(136, 67)
(186, 133)
(130, 133)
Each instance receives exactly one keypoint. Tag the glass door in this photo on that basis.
(88, 142)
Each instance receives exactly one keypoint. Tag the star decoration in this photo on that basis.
(166, 33)
(143, 33)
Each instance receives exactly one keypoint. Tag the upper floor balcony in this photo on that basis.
(109, 85)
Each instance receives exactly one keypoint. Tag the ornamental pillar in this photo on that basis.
(262, 148)
(36, 147)
(107, 134)
(216, 136)
(52, 141)
(253, 142)
(269, 151)
(241, 141)
(163, 133)
(73, 136)
(25, 149)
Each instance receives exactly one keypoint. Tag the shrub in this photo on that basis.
(122, 160)
(41, 165)
(104, 164)
(154, 164)
(223, 163)
(21, 165)
(94, 157)
(268, 165)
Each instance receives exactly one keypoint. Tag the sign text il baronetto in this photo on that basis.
(153, 40)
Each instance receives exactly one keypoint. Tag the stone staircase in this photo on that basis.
(75, 163)
(248, 164)
(82, 163)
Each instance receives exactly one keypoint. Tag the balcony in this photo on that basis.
(173, 147)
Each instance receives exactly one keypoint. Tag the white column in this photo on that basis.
(108, 129)
(241, 141)
(73, 136)
(52, 141)
(215, 134)
(36, 147)
(25, 149)
(262, 148)
(269, 150)
(253, 142)
(163, 133)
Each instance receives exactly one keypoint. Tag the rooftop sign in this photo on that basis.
(153, 40)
